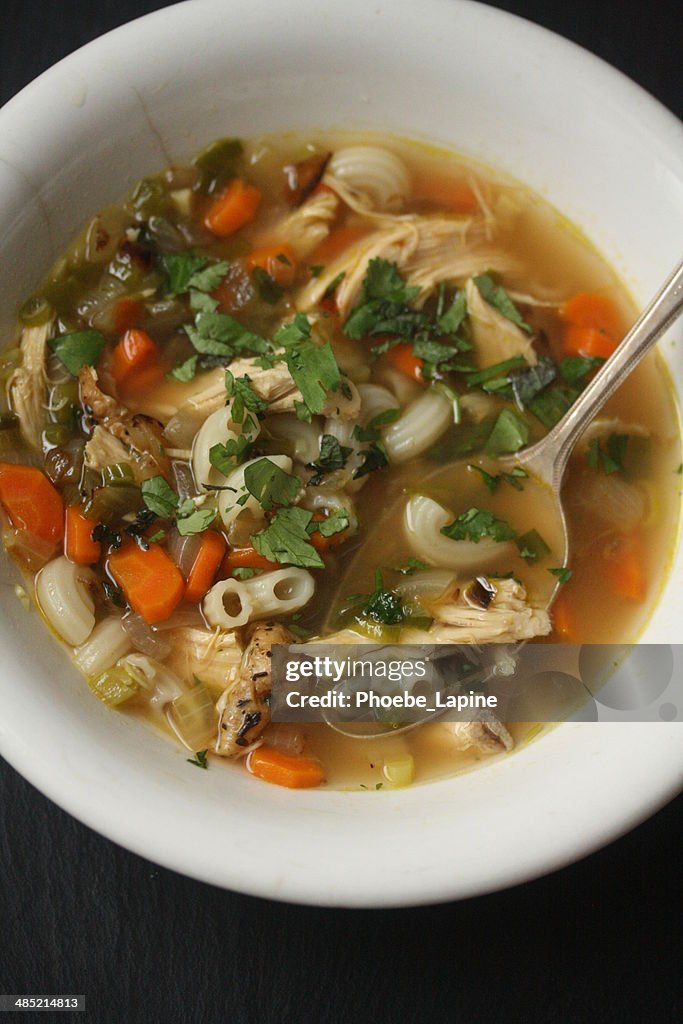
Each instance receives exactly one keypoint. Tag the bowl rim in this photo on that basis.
(87, 806)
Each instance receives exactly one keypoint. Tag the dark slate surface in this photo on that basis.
(598, 941)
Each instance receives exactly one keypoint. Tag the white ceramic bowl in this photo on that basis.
(486, 83)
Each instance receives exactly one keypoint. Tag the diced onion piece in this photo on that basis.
(183, 550)
(193, 717)
(399, 771)
(426, 583)
(614, 500)
(144, 638)
(113, 687)
(108, 642)
(63, 595)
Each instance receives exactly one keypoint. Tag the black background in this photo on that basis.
(598, 941)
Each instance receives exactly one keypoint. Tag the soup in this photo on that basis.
(263, 400)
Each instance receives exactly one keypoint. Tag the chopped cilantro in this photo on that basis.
(159, 497)
(286, 539)
(78, 349)
(551, 405)
(186, 370)
(532, 547)
(225, 457)
(217, 164)
(384, 304)
(492, 481)
(199, 759)
(180, 268)
(243, 573)
(244, 398)
(270, 485)
(336, 522)
(530, 382)
(333, 456)
(497, 297)
(194, 520)
(218, 334)
(312, 366)
(200, 302)
(610, 457)
(563, 575)
(477, 523)
(509, 434)
(374, 457)
(316, 269)
(411, 566)
(267, 287)
(450, 321)
(476, 377)
(575, 369)
(381, 605)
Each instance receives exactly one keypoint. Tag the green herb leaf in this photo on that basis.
(217, 334)
(451, 321)
(267, 287)
(243, 573)
(383, 306)
(186, 370)
(575, 369)
(509, 434)
(286, 539)
(332, 456)
(563, 575)
(610, 457)
(530, 382)
(475, 377)
(333, 285)
(199, 759)
(270, 485)
(180, 267)
(383, 605)
(200, 302)
(532, 547)
(374, 457)
(78, 349)
(244, 397)
(477, 523)
(497, 297)
(550, 406)
(159, 496)
(226, 457)
(336, 522)
(208, 279)
(312, 366)
(411, 566)
(196, 521)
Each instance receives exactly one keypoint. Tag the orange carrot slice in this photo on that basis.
(79, 546)
(31, 501)
(235, 206)
(151, 581)
(291, 770)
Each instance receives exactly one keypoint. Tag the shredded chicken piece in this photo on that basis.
(508, 617)
(495, 337)
(103, 449)
(427, 251)
(487, 734)
(27, 386)
(276, 387)
(243, 707)
(309, 224)
(139, 436)
(214, 656)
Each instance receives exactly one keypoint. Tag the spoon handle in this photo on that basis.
(548, 458)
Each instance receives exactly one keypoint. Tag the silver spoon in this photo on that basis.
(546, 460)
